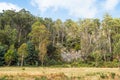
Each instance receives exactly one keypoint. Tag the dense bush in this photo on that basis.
(2, 53)
(41, 41)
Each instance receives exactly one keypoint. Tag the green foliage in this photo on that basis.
(40, 37)
(2, 53)
(77, 47)
(23, 68)
(113, 75)
(37, 78)
(117, 49)
(110, 64)
(11, 33)
(32, 57)
(43, 50)
(97, 57)
(39, 32)
(52, 62)
(22, 53)
(98, 42)
(10, 55)
(8, 35)
(3, 78)
(53, 52)
(103, 76)
(43, 78)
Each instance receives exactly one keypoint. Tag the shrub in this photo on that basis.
(52, 62)
(111, 64)
(43, 78)
(113, 75)
(36, 78)
(103, 76)
(74, 64)
(3, 78)
(23, 68)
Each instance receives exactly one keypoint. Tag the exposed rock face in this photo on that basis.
(69, 56)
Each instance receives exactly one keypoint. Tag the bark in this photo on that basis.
(9, 63)
(22, 60)
(19, 37)
(53, 41)
(62, 38)
(109, 38)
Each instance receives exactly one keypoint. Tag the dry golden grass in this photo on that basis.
(31, 72)
(46, 70)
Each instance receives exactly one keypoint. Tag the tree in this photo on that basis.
(39, 36)
(10, 55)
(43, 50)
(6, 18)
(111, 30)
(48, 23)
(22, 23)
(22, 53)
(107, 30)
(72, 37)
(32, 58)
(57, 27)
(97, 57)
(3, 49)
(117, 51)
(8, 35)
(86, 33)
(39, 32)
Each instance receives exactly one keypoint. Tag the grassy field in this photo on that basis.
(45, 73)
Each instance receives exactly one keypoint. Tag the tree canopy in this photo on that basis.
(26, 39)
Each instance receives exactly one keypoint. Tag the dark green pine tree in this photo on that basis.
(32, 58)
(2, 52)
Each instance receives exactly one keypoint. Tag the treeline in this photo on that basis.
(26, 39)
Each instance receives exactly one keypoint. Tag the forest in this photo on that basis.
(28, 40)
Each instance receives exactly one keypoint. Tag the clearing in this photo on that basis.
(35, 73)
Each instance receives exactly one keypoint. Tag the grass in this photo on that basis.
(42, 73)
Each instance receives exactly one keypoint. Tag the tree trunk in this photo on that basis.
(42, 62)
(22, 60)
(53, 41)
(19, 37)
(62, 38)
(9, 63)
(109, 38)
(96, 63)
(105, 57)
(58, 37)
(119, 62)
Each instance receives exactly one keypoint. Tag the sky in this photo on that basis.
(65, 9)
